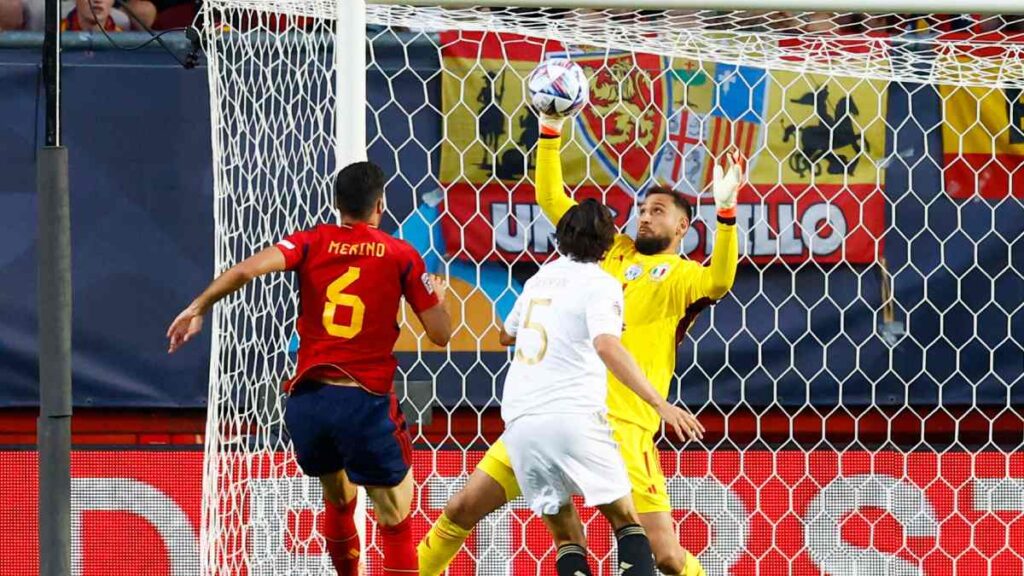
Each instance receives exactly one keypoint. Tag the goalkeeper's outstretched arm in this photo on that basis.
(190, 321)
(716, 280)
(550, 187)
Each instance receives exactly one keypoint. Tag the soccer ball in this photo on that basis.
(558, 88)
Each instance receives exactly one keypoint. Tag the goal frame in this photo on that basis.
(350, 58)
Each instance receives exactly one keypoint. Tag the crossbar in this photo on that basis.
(861, 6)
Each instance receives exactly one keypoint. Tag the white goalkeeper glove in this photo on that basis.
(551, 125)
(727, 183)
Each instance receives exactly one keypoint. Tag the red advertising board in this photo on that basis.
(754, 512)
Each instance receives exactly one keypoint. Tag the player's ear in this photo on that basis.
(379, 209)
(683, 225)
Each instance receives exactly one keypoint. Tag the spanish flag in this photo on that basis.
(983, 141)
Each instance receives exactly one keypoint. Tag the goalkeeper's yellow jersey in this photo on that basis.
(663, 293)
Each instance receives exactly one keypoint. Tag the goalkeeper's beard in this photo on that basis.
(648, 245)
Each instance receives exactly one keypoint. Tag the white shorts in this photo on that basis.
(557, 455)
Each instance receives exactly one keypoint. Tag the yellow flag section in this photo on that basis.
(983, 141)
(822, 131)
(489, 129)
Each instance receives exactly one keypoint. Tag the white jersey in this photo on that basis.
(555, 320)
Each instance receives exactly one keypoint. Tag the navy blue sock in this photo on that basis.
(572, 560)
(635, 557)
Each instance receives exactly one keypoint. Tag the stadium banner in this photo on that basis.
(745, 513)
(815, 146)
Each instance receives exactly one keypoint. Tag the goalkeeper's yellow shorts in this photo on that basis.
(642, 465)
(498, 465)
(638, 451)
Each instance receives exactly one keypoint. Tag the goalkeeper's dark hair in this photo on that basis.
(678, 199)
(357, 188)
(586, 232)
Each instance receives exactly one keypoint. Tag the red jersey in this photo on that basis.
(351, 283)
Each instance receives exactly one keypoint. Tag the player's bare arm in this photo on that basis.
(506, 339)
(624, 367)
(436, 321)
(190, 321)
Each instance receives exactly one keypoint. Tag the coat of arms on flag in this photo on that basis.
(681, 162)
(737, 115)
(702, 130)
(624, 124)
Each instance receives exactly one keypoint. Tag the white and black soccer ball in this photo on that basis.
(558, 88)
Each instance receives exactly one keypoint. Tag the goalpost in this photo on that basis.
(862, 382)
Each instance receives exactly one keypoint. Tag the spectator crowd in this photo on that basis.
(125, 15)
(94, 15)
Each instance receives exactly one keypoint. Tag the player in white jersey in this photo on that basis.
(566, 327)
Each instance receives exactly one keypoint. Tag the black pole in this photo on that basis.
(54, 306)
(51, 72)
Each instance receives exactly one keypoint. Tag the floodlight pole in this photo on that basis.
(54, 311)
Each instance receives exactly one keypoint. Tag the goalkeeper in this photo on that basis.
(663, 296)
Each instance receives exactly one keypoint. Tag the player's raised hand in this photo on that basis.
(185, 326)
(681, 421)
(727, 181)
(440, 287)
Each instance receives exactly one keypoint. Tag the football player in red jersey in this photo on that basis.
(342, 413)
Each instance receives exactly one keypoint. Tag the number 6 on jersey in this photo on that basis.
(336, 297)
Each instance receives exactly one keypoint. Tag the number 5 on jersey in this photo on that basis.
(336, 297)
(531, 324)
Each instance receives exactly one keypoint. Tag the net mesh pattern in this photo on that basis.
(877, 305)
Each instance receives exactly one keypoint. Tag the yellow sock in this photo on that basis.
(440, 546)
(691, 566)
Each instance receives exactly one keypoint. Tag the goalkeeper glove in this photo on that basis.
(727, 184)
(551, 125)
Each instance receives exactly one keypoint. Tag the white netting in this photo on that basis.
(862, 381)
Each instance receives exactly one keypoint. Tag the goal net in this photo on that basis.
(861, 383)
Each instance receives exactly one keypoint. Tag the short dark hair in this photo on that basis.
(677, 198)
(357, 188)
(586, 231)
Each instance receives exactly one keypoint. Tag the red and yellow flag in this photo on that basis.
(983, 141)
